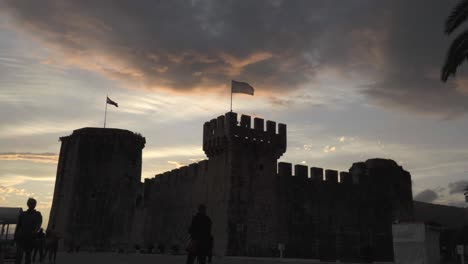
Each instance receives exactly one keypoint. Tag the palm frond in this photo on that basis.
(458, 52)
(459, 15)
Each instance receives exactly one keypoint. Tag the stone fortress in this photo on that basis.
(255, 202)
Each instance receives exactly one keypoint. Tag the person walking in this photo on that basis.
(28, 225)
(39, 246)
(200, 234)
(52, 241)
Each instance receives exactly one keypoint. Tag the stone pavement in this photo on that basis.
(98, 258)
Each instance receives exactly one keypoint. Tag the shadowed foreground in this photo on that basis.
(95, 258)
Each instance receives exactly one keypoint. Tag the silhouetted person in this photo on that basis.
(210, 249)
(200, 234)
(29, 223)
(52, 239)
(39, 245)
(71, 247)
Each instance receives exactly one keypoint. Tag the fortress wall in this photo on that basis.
(173, 198)
(310, 205)
(330, 215)
(253, 209)
(256, 203)
(67, 169)
(313, 174)
(98, 182)
(252, 150)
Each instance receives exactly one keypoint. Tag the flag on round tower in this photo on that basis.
(109, 101)
(241, 87)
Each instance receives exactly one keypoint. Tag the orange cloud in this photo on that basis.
(461, 85)
(34, 157)
(7, 190)
(237, 64)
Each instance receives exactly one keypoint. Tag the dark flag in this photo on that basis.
(109, 101)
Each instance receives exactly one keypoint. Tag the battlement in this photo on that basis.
(225, 129)
(313, 174)
(106, 134)
(174, 179)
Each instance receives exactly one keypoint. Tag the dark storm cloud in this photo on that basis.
(427, 196)
(415, 50)
(458, 187)
(182, 45)
(278, 45)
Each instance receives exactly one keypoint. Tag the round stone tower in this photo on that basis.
(97, 187)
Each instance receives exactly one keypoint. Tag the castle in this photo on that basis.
(255, 202)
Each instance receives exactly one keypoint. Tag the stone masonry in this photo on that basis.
(255, 201)
(97, 187)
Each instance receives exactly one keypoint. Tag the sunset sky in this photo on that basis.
(353, 80)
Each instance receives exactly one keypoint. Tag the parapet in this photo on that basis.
(173, 179)
(284, 169)
(331, 176)
(381, 163)
(345, 177)
(225, 129)
(103, 134)
(314, 174)
(301, 171)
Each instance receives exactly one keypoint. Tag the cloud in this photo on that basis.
(427, 196)
(177, 45)
(8, 191)
(328, 149)
(176, 151)
(34, 157)
(12, 180)
(396, 47)
(424, 95)
(457, 187)
(200, 45)
(175, 163)
(415, 47)
(15, 191)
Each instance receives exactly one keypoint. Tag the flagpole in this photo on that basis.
(231, 99)
(105, 113)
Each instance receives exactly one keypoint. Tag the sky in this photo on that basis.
(352, 80)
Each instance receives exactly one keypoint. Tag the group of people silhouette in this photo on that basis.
(31, 241)
(30, 238)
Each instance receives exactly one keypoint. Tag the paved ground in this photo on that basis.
(114, 258)
(98, 258)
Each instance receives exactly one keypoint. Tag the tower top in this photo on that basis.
(226, 130)
(100, 132)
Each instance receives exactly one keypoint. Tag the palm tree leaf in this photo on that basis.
(459, 15)
(458, 52)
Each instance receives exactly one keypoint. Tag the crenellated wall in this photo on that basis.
(329, 215)
(256, 202)
(171, 199)
(218, 132)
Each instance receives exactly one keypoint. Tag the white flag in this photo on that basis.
(241, 87)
